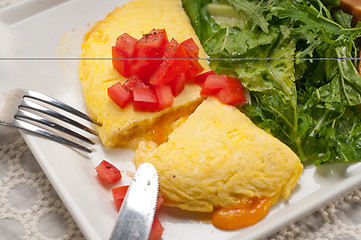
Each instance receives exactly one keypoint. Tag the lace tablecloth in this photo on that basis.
(30, 208)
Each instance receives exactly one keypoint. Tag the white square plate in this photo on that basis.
(34, 33)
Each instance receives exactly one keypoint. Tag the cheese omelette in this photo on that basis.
(125, 127)
(214, 155)
(217, 157)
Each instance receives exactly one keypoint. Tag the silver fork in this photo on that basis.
(14, 112)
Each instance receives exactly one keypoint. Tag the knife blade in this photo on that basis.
(136, 215)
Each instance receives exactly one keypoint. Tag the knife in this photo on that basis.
(136, 215)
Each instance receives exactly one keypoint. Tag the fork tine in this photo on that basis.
(47, 111)
(54, 102)
(45, 133)
(38, 119)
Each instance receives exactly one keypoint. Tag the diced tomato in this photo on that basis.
(126, 45)
(199, 79)
(194, 69)
(144, 100)
(213, 84)
(175, 50)
(234, 82)
(119, 94)
(134, 82)
(169, 69)
(164, 96)
(124, 48)
(191, 46)
(158, 69)
(120, 63)
(152, 44)
(107, 172)
(232, 93)
(160, 201)
(119, 195)
(157, 230)
(160, 76)
(144, 68)
(178, 84)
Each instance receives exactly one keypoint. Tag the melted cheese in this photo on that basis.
(242, 213)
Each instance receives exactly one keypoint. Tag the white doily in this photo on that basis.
(30, 208)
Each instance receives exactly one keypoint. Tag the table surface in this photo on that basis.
(31, 209)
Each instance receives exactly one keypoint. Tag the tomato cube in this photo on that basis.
(134, 82)
(144, 100)
(160, 202)
(169, 69)
(164, 96)
(213, 84)
(119, 94)
(107, 172)
(194, 69)
(119, 195)
(152, 44)
(157, 230)
(178, 84)
(199, 79)
(232, 93)
(120, 63)
(161, 76)
(144, 68)
(126, 45)
(191, 46)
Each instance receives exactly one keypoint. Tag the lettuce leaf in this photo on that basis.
(311, 105)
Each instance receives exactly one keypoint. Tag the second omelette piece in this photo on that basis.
(218, 157)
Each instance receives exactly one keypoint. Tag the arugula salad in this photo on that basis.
(312, 105)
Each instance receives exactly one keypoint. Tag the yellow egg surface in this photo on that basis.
(125, 127)
(217, 157)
